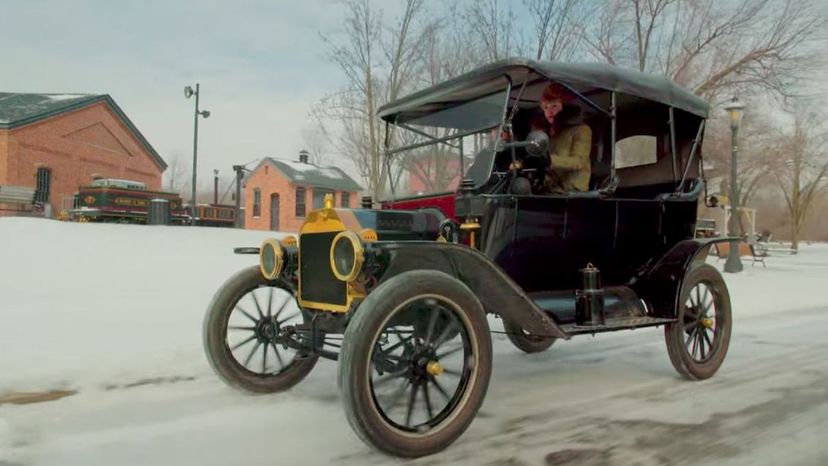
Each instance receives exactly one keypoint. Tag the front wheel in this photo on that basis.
(698, 342)
(250, 334)
(415, 363)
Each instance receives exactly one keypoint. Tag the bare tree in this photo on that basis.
(557, 27)
(494, 28)
(709, 45)
(758, 140)
(177, 176)
(802, 168)
(318, 145)
(378, 62)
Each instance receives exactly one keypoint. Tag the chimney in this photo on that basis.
(303, 156)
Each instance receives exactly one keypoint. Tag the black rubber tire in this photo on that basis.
(681, 359)
(363, 331)
(215, 343)
(524, 341)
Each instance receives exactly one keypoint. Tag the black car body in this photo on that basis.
(400, 284)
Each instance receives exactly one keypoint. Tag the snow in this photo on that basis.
(115, 313)
(123, 296)
(299, 166)
(332, 173)
(60, 97)
(327, 172)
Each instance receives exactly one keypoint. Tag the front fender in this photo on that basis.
(660, 284)
(498, 293)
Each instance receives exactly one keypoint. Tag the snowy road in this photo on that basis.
(613, 399)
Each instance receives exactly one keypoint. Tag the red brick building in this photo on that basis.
(279, 193)
(57, 142)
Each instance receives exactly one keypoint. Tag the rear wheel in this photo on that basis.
(250, 334)
(415, 363)
(524, 340)
(698, 342)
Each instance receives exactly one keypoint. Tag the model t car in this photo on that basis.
(400, 295)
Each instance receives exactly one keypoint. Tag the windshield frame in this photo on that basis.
(502, 123)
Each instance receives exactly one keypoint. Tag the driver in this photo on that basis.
(570, 140)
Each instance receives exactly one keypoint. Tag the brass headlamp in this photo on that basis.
(347, 256)
(271, 258)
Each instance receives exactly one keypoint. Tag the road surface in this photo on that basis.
(613, 399)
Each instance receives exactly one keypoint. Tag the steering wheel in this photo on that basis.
(534, 159)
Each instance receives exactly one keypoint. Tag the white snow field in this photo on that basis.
(112, 315)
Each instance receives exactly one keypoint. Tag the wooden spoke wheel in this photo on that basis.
(698, 342)
(415, 363)
(250, 334)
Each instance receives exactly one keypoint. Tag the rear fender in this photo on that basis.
(660, 284)
(498, 293)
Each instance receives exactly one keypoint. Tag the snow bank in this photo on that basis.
(101, 305)
(788, 283)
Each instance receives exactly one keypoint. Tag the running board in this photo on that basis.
(616, 323)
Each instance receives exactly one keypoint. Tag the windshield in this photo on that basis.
(484, 112)
(436, 151)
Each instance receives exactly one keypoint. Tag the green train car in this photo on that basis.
(125, 201)
(122, 201)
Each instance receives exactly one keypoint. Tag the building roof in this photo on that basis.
(18, 109)
(308, 174)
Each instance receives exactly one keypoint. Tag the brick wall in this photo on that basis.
(4, 150)
(270, 181)
(76, 146)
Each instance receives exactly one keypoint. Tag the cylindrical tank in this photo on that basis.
(589, 300)
(159, 212)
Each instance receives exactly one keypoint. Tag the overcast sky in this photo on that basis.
(261, 64)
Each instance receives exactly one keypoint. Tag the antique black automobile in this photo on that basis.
(401, 297)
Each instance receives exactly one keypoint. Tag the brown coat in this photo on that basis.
(569, 165)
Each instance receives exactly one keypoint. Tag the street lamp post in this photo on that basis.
(189, 92)
(735, 110)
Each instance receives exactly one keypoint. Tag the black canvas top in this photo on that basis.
(585, 78)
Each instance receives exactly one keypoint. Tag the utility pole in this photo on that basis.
(239, 169)
(189, 92)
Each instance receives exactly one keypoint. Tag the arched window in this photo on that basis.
(257, 202)
(43, 184)
(300, 202)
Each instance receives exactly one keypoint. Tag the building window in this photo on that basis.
(43, 185)
(344, 199)
(318, 197)
(257, 202)
(300, 202)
